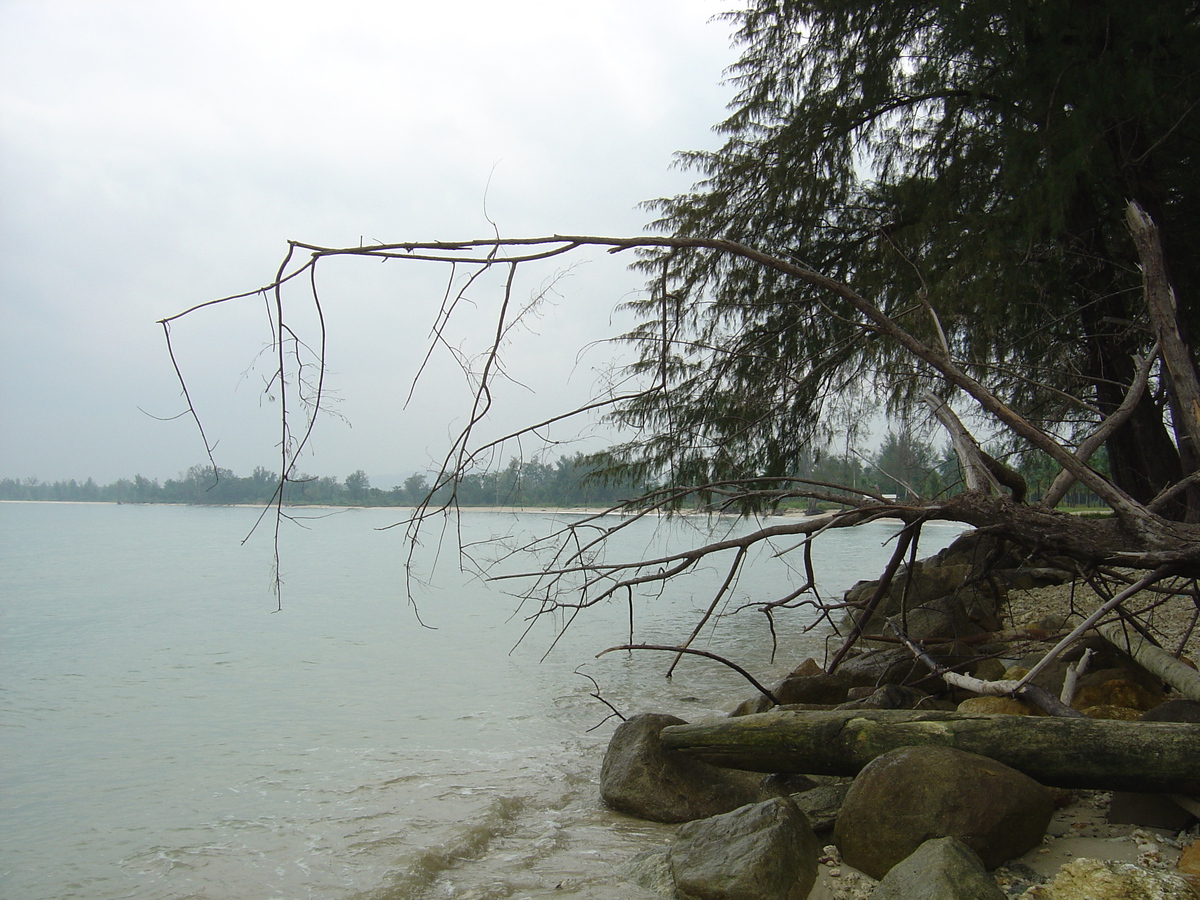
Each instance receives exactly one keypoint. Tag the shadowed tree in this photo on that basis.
(977, 157)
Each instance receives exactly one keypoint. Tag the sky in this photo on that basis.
(157, 155)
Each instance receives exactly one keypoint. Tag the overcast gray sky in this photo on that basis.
(154, 155)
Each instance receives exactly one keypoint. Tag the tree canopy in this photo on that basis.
(972, 157)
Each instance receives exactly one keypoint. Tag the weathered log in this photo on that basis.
(1153, 659)
(1096, 754)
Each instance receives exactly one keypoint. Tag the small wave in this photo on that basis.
(414, 877)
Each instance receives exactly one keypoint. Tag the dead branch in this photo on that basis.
(573, 575)
(694, 652)
(1038, 696)
(1154, 659)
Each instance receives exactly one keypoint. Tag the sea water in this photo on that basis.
(165, 732)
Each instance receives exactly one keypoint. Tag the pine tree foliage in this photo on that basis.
(976, 158)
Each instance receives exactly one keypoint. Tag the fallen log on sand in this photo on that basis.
(1096, 754)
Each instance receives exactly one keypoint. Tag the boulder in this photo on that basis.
(878, 667)
(820, 688)
(1174, 711)
(998, 706)
(910, 795)
(809, 667)
(641, 777)
(941, 601)
(927, 581)
(988, 668)
(807, 684)
(1049, 679)
(1188, 863)
(748, 707)
(1105, 879)
(893, 696)
(964, 614)
(896, 665)
(1133, 688)
(940, 869)
(765, 851)
(821, 804)
(650, 870)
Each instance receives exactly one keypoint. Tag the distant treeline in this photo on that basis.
(904, 465)
(521, 483)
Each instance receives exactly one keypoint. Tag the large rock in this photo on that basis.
(953, 616)
(1130, 687)
(765, 851)
(650, 870)
(998, 706)
(940, 869)
(876, 668)
(820, 688)
(1174, 711)
(910, 795)
(927, 581)
(821, 804)
(641, 777)
(1104, 879)
(897, 665)
(942, 600)
(893, 696)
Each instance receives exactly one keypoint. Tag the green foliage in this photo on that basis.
(1039, 472)
(978, 156)
(908, 466)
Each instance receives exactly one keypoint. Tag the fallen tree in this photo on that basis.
(1043, 298)
(1127, 756)
(572, 575)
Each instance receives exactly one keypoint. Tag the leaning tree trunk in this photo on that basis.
(1072, 753)
(1177, 355)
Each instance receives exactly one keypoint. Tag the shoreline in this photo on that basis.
(509, 510)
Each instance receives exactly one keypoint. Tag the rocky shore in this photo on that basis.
(924, 818)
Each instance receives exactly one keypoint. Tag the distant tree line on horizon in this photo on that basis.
(904, 465)
(521, 483)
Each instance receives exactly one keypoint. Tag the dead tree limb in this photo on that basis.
(1089, 445)
(1154, 659)
(1038, 696)
(574, 576)
(707, 655)
(1164, 314)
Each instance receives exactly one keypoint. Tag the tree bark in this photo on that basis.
(1153, 659)
(1095, 754)
(1176, 354)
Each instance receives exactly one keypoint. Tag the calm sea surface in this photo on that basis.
(164, 733)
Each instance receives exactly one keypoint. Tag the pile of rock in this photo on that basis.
(927, 821)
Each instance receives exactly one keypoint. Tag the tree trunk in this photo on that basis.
(1168, 328)
(1072, 753)
(1153, 659)
(1142, 459)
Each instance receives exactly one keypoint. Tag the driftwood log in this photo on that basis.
(1153, 659)
(1096, 754)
